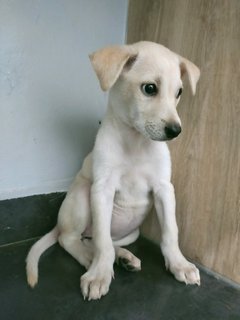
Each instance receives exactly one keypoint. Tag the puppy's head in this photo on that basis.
(145, 83)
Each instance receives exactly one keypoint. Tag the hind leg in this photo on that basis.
(78, 248)
(123, 256)
(127, 260)
(73, 219)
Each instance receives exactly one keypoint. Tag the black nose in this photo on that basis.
(172, 130)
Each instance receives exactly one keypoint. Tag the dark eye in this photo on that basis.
(149, 89)
(179, 93)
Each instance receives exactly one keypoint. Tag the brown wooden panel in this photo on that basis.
(206, 157)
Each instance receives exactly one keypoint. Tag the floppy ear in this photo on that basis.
(192, 71)
(108, 64)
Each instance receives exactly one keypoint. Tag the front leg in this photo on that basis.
(183, 270)
(96, 281)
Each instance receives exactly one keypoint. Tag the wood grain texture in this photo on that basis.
(206, 157)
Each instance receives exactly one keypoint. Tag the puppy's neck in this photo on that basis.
(126, 134)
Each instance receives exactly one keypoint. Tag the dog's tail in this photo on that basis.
(35, 253)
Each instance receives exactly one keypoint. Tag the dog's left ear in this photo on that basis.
(192, 71)
(109, 62)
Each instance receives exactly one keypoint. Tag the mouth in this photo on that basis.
(161, 139)
(166, 133)
(156, 133)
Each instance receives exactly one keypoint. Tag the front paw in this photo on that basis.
(185, 271)
(95, 283)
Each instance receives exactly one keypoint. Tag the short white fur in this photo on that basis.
(127, 173)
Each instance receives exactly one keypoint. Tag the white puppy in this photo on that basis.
(128, 171)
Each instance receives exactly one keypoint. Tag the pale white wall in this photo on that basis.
(50, 101)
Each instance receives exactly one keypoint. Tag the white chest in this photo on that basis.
(134, 185)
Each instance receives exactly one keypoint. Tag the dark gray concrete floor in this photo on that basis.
(151, 294)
